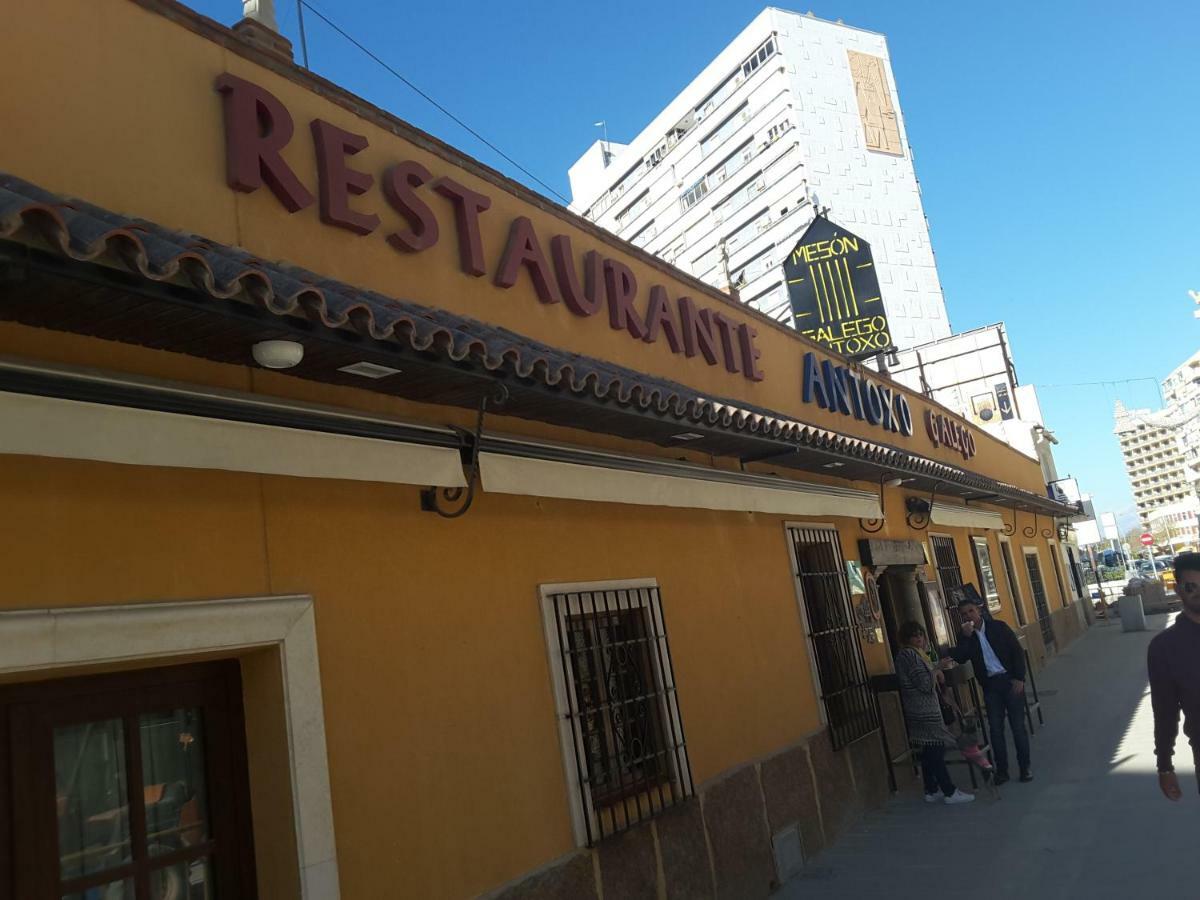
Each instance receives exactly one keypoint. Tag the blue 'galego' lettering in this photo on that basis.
(842, 390)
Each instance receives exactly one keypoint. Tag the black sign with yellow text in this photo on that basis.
(835, 293)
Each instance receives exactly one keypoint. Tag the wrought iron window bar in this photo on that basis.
(630, 753)
(850, 706)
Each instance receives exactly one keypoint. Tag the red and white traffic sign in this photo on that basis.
(1147, 539)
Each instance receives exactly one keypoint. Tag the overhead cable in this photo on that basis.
(324, 18)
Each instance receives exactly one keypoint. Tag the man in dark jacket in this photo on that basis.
(999, 663)
(1174, 662)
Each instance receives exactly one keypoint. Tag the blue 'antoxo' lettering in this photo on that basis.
(841, 389)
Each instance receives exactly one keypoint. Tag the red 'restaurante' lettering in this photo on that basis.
(258, 127)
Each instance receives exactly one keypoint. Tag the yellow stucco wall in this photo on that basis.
(439, 712)
(443, 747)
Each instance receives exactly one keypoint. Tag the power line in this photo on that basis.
(1111, 383)
(320, 15)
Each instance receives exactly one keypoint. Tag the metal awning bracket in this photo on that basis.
(874, 526)
(1031, 532)
(1011, 528)
(920, 512)
(431, 498)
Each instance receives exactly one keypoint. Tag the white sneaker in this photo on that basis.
(960, 797)
(933, 798)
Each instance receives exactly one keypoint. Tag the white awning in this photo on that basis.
(610, 478)
(965, 517)
(71, 429)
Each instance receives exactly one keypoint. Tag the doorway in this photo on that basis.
(902, 598)
(128, 786)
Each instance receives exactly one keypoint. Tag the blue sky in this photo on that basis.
(1056, 144)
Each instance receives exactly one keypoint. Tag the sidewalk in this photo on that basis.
(1092, 825)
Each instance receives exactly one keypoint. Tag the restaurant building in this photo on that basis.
(537, 568)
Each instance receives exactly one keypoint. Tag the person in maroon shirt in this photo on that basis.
(1174, 664)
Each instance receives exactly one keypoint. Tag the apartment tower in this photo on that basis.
(796, 114)
(1154, 459)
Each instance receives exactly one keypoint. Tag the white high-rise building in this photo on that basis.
(1181, 395)
(1162, 447)
(1154, 459)
(795, 113)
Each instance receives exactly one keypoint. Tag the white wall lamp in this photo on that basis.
(278, 354)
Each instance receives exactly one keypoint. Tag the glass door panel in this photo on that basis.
(92, 798)
(126, 786)
(173, 780)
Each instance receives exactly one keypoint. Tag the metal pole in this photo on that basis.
(303, 38)
(1100, 585)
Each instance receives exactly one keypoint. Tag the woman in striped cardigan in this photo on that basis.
(923, 715)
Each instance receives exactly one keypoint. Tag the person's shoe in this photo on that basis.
(1026, 777)
(1000, 778)
(959, 797)
(933, 798)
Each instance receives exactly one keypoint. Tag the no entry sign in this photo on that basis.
(1147, 539)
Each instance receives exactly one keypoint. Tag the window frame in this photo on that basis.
(48, 640)
(1044, 622)
(993, 601)
(952, 614)
(698, 190)
(29, 714)
(1011, 576)
(585, 815)
(858, 659)
(1058, 561)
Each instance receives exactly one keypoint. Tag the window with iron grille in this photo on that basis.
(949, 574)
(836, 653)
(1039, 595)
(623, 740)
(1010, 573)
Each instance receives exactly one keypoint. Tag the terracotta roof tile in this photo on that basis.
(87, 233)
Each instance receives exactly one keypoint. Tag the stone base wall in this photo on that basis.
(1031, 634)
(1068, 624)
(727, 843)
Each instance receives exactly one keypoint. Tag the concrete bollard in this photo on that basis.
(1133, 615)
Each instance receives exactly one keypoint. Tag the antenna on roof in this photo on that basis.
(604, 145)
(303, 37)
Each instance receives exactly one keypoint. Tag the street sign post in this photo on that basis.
(1147, 541)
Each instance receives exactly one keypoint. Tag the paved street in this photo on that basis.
(1092, 824)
